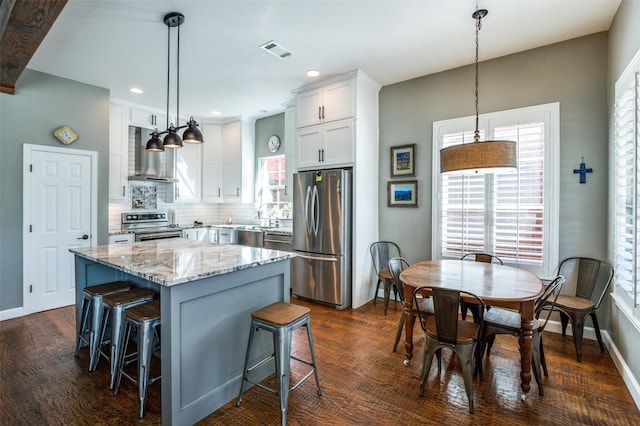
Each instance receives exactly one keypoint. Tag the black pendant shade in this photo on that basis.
(155, 144)
(192, 134)
(172, 139)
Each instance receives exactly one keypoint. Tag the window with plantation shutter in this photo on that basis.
(513, 215)
(627, 189)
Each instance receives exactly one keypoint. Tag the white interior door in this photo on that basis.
(59, 214)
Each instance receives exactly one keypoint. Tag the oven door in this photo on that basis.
(163, 235)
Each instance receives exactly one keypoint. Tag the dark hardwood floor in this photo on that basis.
(363, 381)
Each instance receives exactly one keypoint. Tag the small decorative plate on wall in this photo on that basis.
(66, 135)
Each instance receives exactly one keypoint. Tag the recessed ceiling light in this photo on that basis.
(313, 73)
(215, 112)
(136, 90)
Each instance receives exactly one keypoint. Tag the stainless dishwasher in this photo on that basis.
(278, 241)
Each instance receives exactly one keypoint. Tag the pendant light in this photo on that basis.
(191, 134)
(479, 156)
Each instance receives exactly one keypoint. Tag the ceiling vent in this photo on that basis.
(276, 49)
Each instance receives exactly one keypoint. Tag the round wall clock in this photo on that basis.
(66, 135)
(273, 143)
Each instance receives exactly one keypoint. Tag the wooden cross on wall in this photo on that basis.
(583, 171)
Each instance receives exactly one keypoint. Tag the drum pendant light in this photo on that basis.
(191, 134)
(479, 156)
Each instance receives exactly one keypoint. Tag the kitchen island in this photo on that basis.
(207, 293)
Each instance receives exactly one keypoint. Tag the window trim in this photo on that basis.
(628, 302)
(550, 113)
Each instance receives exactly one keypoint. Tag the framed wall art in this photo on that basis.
(402, 193)
(403, 160)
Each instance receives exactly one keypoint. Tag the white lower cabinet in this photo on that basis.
(197, 234)
(121, 238)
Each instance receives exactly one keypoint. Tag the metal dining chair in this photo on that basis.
(445, 330)
(381, 252)
(505, 321)
(425, 304)
(592, 278)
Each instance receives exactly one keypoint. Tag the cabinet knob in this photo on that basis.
(323, 112)
(319, 113)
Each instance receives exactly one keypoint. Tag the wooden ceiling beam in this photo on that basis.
(23, 26)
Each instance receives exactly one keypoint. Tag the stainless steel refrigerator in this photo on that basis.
(321, 271)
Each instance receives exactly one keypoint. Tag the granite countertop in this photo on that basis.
(176, 261)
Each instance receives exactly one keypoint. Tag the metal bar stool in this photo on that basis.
(281, 319)
(145, 318)
(113, 314)
(91, 311)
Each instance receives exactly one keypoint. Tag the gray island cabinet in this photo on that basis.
(207, 293)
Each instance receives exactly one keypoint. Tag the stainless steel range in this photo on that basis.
(150, 225)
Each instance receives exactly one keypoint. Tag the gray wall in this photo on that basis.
(624, 42)
(42, 104)
(265, 127)
(573, 73)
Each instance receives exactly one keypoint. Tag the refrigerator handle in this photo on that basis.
(316, 210)
(307, 221)
(325, 259)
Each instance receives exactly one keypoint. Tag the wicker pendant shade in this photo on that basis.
(479, 156)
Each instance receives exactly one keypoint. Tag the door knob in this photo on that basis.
(84, 237)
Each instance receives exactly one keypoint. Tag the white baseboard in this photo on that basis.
(12, 313)
(623, 368)
(556, 327)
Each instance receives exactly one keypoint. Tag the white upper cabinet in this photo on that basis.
(188, 172)
(238, 161)
(327, 145)
(290, 143)
(118, 152)
(147, 119)
(212, 163)
(322, 105)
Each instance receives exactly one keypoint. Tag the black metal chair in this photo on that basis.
(425, 304)
(381, 252)
(592, 280)
(477, 257)
(505, 321)
(445, 330)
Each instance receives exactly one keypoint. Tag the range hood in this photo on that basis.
(149, 165)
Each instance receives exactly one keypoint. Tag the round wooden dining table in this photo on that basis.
(496, 284)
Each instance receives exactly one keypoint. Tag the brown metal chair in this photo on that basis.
(445, 330)
(425, 304)
(477, 257)
(592, 280)
(505, 321)
(381, 252)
